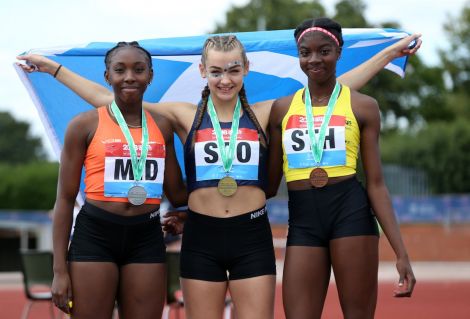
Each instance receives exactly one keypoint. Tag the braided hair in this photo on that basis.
(120, 45)
(251, 114)
(226, 43)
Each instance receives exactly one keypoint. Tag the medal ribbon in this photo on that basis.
(137, 163)
(316, 144)
(227, 153)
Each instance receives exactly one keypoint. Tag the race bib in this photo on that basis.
(209, 163)
(118, 175)
(297, 142)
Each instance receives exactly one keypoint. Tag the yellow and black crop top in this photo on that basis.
(342, 138)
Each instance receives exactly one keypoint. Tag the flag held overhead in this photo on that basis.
(274, 70)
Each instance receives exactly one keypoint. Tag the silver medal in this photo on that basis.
(137, 195)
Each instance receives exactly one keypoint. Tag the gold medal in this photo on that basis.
(318, 177)
(227, 186)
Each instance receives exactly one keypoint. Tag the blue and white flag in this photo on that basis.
(274, 70)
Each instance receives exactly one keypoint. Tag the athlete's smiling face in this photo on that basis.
(224, 72)
(318, 54)
(129, 74)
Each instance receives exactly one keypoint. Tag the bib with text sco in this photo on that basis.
(209, 163)
(118, 175)
(298, 147)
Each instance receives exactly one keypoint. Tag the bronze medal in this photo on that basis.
(137, 195)
(227, 186)
(318, 177)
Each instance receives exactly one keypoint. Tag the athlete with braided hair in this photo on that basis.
(227, 243)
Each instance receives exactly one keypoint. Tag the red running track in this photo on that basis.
(431, 300)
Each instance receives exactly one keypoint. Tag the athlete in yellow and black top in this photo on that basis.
(341, 139)
(315, 135)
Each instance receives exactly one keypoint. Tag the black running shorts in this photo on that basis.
(221, 249)
(101, 236)
(319, 215)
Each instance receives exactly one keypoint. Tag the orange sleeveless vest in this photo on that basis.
(108, 167)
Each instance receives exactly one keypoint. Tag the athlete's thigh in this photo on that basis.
(203, 299)
(94, 286)
(355, 265)
(142, 290)
(305, 281)
(253, 298)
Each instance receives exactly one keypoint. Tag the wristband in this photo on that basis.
(58, 69)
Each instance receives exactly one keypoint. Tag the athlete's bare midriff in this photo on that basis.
(210, 202)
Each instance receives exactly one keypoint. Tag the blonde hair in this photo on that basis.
(224, 43)
(227, 43)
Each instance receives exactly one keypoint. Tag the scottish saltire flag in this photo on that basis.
(274, 70)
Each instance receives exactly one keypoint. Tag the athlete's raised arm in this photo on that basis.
(92, 92)
(360, 75)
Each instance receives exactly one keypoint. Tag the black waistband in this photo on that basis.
(94, 211)
(256, 215)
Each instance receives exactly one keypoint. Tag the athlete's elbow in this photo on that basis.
(271, 192)
(178, 198)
